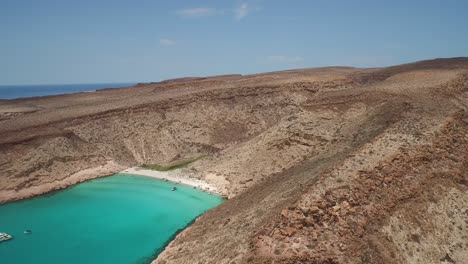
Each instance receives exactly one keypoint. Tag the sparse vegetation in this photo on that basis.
(337, 210)
(172, 165)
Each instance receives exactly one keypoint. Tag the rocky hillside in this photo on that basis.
(326, 165)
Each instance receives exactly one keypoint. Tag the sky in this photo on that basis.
(112, 41)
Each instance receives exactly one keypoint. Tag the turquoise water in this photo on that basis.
(119, 219)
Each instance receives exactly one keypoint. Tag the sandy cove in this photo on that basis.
(108, 169)
(175, 176)
(354, 143)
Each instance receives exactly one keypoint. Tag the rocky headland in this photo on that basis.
(325, 165)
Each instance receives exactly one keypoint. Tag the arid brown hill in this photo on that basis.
(326, 165)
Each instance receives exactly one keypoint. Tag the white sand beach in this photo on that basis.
(176, 176)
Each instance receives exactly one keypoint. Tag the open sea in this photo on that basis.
(121, 219)
(22, 91)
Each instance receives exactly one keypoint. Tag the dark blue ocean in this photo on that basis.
(22, 91)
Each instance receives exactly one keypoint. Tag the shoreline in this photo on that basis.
(174, 176)
(105, 170)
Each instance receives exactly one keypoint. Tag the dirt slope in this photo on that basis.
(327, 165)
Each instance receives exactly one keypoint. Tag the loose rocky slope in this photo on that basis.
(327, 165)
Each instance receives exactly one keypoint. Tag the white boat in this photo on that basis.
(5, 237)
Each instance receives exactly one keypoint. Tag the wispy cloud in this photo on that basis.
(198, 12)
(167, 42)
(241, 11)
(285, 59)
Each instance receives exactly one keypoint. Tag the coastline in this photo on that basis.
(108, 169)
(21, 92)
(175, 176)
(105, 170)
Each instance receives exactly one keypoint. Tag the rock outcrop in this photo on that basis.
(327, 165)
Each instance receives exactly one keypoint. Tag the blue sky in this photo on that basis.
(92, 41)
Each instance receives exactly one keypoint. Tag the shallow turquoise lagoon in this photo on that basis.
(119, 219)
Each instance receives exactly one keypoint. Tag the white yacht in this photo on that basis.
(5, 237)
